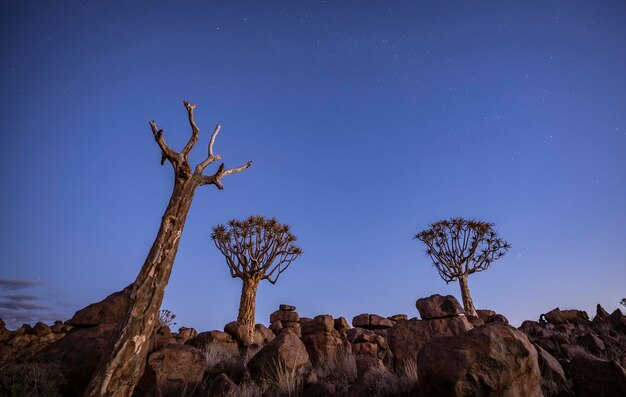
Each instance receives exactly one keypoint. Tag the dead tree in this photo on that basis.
(120, 368)
(256, 249)
(460, 247)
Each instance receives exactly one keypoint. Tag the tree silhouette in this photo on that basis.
(255, 249)
(120, 368)
(460, 247)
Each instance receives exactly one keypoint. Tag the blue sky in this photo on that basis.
(366, 121)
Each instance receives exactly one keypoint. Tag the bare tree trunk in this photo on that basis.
(119, 373)
(121, 367)
(468, 304)
(247, 305)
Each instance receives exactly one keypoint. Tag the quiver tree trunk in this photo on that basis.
(121, 367)
(468, 304)
(247, 305)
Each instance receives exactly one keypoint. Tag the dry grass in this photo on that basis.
(31, 379)
(340, 373)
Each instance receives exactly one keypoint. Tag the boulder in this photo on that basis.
(40, 329)
(553, 381)
(286, 308)
(110, 310)
(491, 360)
(318, 389)
(263, 335)
(438, 306)
(371, 321)
(373, 378)
(326, 347)
(408, 337)
(497, 318)
(186, 333)
(239, 332)
(222, 386)
(286, 351)
(484, 314)
(217, 347)
(176, 370)
(557, 316)
(341, 325)
(78, 353)
(592, 377)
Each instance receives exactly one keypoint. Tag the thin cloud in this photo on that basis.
(18, 284)
(21, 297)
(16, 305)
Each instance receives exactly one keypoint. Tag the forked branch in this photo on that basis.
(180, 160)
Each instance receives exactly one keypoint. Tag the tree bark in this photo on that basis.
(247, 305)
(468, 304)
(119, 372)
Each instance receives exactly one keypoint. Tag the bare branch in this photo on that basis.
(166, 151)
(210, 156)
(195, 132)
(216, 179)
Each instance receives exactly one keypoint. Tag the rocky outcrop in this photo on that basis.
(285, 318)
(592, 376)
(323, 342)
(408, 337)
(371, 321)
(79, 352)
(286, 352)
(175, 370)
(491, 360)
(108, 311)
(438, 306)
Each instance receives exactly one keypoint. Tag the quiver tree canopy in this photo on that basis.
(256, 247)
(459, 247)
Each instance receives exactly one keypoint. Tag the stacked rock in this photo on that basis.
(371, 321)
(324, 339)
(285, 318)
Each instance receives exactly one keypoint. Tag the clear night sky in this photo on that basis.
(366, 121)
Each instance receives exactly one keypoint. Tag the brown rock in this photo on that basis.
(341, 325)
(553, 381)
(185, 333)
(408, 337)
(177, 369)
(293, 327)
(318, 389)
(484, 314)
(222, 386)
(40, 329)
(361, 321)
(379, 322)
(592, 343)
(498, 318)
(79, 352)
(108, 311)
(557, 316)
(491, 360)
(365, 348)
(438, 306)
(276, 327)
(239, 332)
(398, 317)
(287, 308)
(593, 377)
(324, 347)
(600, 312)
(371, 321)
(373, 377)
(263, 335)
(287, 351)
(24, 330)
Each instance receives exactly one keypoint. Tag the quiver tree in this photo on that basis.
(255, 249)
(460, 247)
(120, 368)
